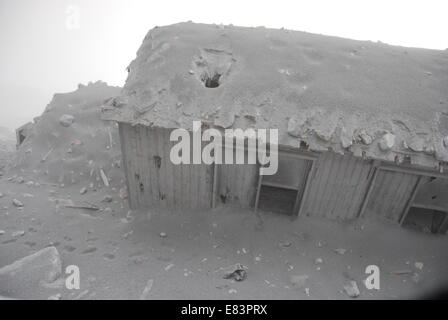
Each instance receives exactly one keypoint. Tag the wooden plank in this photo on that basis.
(414, 171)
(417, 186)
(369, 191)
(257, 197)
(302, 191)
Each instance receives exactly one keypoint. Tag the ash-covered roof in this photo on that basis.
(370, 99)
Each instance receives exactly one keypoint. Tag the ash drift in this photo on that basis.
(367, 99)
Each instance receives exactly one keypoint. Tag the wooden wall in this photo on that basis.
(390, 194)
(237, 184)
(153, 180)
(337, 186)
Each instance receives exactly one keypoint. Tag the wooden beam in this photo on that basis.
(279, 185)
(414, 171)
(257, 197)
(369, 191)
(411, 199)
(215, 184)
(305, 189)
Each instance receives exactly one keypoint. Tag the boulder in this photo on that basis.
(66, 120)
(351, 289)
(387, 142)
(31, 272)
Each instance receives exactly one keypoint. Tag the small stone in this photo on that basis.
(318, 261)
(107, 198)
(17, 234)
(232, 291)
(340, 251)
(163, 235)
(2, 232)
(419, 265)
(66, 120)
(365, 137)
(83, 191)
(415, 277)
(57, 296)
(168, 267)
(298, 281)
(445, 141)
(20, 180)
(387, 142)
(1, 195)
(351, 289)
(123, 194)
(147, 289)
(17, 203)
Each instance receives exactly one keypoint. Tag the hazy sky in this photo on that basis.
(44, 46)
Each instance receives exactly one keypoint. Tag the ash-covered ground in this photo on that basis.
(64, 192)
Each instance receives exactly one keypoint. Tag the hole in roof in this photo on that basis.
(211, 81)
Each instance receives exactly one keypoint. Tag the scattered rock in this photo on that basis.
(1, 195)
(238, 275)
(17, 234)
(298, 281)
(318, 261)
(2, 232)
(163, 235)
(107, 199)
(17, 203)
(387, 142)
(41, 267)
(83, 191)
(419, 265)
(57, 296)
(445, 141)
(415, 277)
(66, 120)
(340, 251)
(168, 267)
(123, 194)
(416, 144)
(147, 289)
(351, 289)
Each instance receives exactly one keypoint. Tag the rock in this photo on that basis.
(17, 234)
(123, 194)
(17, 203)
(2, 232)
(365, 137)
(351, 289)
(318, 261)
(66, 120)
(1, 195)
(83, 191)
(416, 144)
(387, 142)
(340, 251)
(147, 289)
(31, 272)
(296, 125)
(20, 180)
(419, 265)
(298, 281)
(238, 275)
(107, 199)
(57, 296)
(163, 235)
(415, 277)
